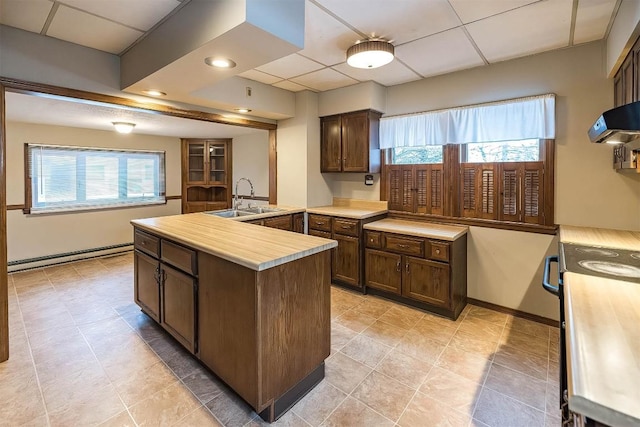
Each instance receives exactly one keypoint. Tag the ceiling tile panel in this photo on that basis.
(399, 21)
(441, 53)
(391, 74)
(532, 29)
(259, 76)
(472, 10)
(592, 19)
(139, 14)
(290, 86)
(26, 15)
(290, 66)
(326, 39)
(88, 30)
(326, 79)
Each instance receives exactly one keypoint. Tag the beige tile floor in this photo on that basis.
(83, 354)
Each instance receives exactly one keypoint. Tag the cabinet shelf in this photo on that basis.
(206, 165)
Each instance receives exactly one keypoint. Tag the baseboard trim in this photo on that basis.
(63, 258)
(511, 311)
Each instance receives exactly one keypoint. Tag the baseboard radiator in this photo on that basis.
(55, 259)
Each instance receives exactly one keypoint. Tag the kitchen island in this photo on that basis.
(251, 303)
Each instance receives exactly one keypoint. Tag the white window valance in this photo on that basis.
(511, 120)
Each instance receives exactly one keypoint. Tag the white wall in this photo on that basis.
(504, 267)
(30, 236)
(250, 154)
(624, 31)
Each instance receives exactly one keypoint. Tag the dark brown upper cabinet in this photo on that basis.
(626, 82)
(350, 142)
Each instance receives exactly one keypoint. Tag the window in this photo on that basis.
(63, 179)
(417, 155)
(527, 150)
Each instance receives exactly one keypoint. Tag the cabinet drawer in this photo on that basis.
(319, 222)
(373, 239)
(438, 251)
(180, 257)
(404, 245)
(347, 227)
(282, 222)
(317, 233)
(147, 243)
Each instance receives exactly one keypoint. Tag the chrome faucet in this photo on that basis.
(237, 203)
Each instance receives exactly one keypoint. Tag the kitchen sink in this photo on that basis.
(260, 210)
(229, 213)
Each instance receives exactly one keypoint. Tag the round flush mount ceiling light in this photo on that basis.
(242, 110)
(372, 53)
(154, 92)
(219, 62)
(123, 127)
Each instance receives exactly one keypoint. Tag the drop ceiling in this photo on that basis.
(431, 37)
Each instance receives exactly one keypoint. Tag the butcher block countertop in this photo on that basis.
(249, 245)
(414, 228)
(603, 348)
(607, 238)
(351, 208)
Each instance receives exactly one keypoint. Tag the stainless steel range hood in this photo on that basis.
(618, 125)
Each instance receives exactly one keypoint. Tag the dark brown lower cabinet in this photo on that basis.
(426, 281)
(346, 260)
(146, 285)
(426, 273)
(178, 305)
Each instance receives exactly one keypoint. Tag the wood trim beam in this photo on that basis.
(273, 168)
(4, 278)
(40, 89)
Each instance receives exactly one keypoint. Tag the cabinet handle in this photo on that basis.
(319, 223)
(163, 276)
(406, 268)
(345, 227)
(437, 251)
(156, 275)
(398, 266)
(403, 246)
(371, 240)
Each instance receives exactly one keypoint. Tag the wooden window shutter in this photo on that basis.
(395, 187)
(407, 188)
(468, 190)
(422, 173)
(487, 190)
(437, 188)
(533, 183)
(509, 192)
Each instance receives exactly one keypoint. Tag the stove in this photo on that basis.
(610, 263)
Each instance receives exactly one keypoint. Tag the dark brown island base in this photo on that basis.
(251, 303)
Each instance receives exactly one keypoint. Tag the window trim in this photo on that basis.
(452, 193)
(77, 208)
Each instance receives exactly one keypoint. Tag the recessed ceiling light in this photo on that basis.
(242, 110)
(153, 92)
(123, 127)
(219, 62)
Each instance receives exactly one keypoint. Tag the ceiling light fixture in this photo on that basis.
(371, 53)
(219, 62)
(242, 110)
(123, 127)
(153, 92)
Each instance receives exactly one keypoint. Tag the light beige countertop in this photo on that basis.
(351, 208)
(415, 228)
(607, 238)
(603, 348)
(249, 245)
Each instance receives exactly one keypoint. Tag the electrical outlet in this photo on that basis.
(248, 88)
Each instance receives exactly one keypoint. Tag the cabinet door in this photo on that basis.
(618, 93)
(298, 223)
(426, 281)
(636, 70)
(217, 162)
(330, 145)
(355, 142)
(383, 271)
(628, 88)
(195, 162)
(281, 222)
(178, 306)
(346, 260)
(146, 289)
